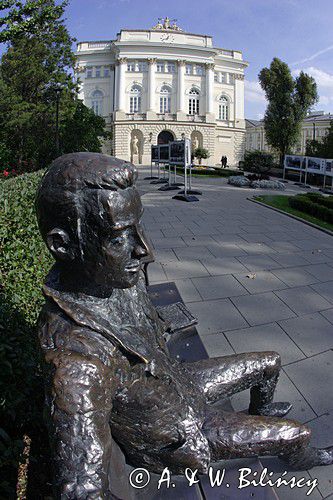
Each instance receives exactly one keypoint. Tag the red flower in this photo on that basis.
(5, 173)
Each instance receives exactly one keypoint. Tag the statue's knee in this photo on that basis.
(273, 359)
(294, 431)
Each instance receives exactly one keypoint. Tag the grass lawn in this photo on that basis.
(280, 201)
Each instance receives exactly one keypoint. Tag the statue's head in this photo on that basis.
(89, 213)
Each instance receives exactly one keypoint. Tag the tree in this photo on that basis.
(83, 131)
(289, 100)
(258, 162)
(31, 70)
(323, 148)
(23, 19)
(201, 153)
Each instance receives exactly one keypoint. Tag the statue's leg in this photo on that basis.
(236, 435)
(224, 376)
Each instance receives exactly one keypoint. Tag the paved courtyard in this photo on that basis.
(256, 280)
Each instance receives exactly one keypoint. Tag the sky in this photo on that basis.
(297, 31)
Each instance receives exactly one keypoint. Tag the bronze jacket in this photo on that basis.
(109, 375)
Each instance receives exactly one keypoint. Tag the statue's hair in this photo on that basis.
(71, 183)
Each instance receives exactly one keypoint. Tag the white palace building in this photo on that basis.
(163, 84)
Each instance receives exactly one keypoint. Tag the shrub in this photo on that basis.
(201, 153)
(257, 162)
(305, 204)
(24, 262)
(320, 199)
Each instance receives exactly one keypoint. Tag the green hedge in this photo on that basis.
(307, 204)
(24, 262)
(326, 201)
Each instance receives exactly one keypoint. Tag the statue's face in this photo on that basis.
(115, 257)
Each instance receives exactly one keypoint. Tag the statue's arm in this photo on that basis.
(81, 391)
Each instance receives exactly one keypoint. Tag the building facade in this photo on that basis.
(163, 84)
(314, 126)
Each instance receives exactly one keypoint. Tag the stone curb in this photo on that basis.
(327, 231)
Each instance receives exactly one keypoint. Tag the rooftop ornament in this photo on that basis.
(166, 24)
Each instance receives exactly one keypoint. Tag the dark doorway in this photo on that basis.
(165, 137)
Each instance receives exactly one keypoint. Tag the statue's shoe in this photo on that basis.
(325, 456)
(273, 410)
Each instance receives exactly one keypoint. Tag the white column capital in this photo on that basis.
(181, 62)
(151, 61)
(121, 60)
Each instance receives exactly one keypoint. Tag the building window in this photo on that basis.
(231, 78)
(142, 66)
(106, 72)
(165, 99)
(131, 66)
(160, 67)
(216, 77)
(189, 69)
(89, 72)
(171, 68)
(97, 102)
(193, 102)
(135, 99)
(97, 71)
(223, 108)
(199, 69)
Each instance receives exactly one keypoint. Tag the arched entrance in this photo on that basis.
(165, 137)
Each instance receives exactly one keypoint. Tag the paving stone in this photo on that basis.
(265, 338)
(258, 262)
(328, 314)
(216, 316)
(260, 281)
(195, 253)
(256, 248)
(228, 238)
(295, 276)
(217, 266)
(169, 243)
(286, 492)
(217, 345)
(309, 244)
(325, 289)
(285, 391)
(313, 377)
(218, 287)
(225, 250)
(197, 240)
(303, 299)
(165, 255)
(255, 237)
(322, 436)
(289, 259)
(262, 308)
(312, 333)
(156, 272)
(184, 269)
(187, 290)
(323, 272)
(284, 246)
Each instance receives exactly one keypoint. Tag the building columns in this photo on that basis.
(181, 112)
(121, 98)
(210, 92)
(151, 111)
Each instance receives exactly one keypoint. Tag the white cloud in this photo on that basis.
(313, 56)
(253, 92)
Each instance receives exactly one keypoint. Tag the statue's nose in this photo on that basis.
(142, 247)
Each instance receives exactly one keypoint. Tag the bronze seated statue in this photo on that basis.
(108, 371)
